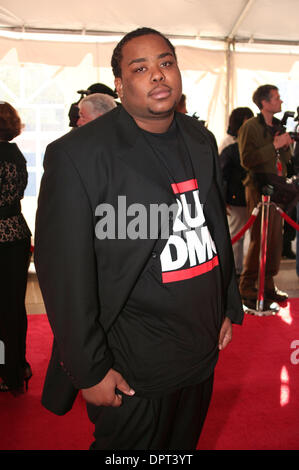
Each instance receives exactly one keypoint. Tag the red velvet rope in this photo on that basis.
(254, 216)
(247, 225)
(287, 218)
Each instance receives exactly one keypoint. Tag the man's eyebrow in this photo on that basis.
(165, 54)
(134, 61)
(144, 59)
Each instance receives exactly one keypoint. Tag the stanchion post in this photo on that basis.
(263, 252)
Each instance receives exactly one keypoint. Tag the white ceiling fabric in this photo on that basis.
(196, 24)
(274, 20)
(225, 49)
(216, 38)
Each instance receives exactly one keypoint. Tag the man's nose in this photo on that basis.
(157, 75)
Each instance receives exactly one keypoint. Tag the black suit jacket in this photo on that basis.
(85, 281)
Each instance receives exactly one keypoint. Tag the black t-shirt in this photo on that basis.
(166, 337)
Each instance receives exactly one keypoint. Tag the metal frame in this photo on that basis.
(260, 304)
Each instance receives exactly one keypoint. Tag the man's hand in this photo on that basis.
(226, 333)
(104, 394)
(282, 140)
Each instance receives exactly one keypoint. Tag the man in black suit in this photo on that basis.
(140, 302)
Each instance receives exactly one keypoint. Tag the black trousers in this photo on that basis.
(170, 422)
(14, 259)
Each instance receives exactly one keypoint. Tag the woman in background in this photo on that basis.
(14, 255)
(233, 175)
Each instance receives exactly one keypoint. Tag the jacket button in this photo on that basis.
(154, 254)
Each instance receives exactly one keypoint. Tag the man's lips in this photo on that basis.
(160, 92)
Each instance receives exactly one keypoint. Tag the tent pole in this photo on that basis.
(241, 18)
(228, 80)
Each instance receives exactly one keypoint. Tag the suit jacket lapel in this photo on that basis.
(200, 152)
(137, 154)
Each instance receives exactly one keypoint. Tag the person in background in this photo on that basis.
(93, 106)
(94, 88)
(289, 232)
(15, 242)
(263, 151)
(296, 172)
(235, 121)
(233, 176)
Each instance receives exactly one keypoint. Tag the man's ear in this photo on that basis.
(119, 86)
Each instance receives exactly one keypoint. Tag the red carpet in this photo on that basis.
(255, 400)
(254, 405)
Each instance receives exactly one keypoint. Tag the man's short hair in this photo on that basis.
(100, 102)
(117, 53)
(262, 93)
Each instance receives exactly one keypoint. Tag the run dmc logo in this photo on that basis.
(189, 250)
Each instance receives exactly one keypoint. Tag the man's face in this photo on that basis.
(150, 86)
(86, 113)
(274, 104)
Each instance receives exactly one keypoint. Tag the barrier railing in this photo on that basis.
(265, 205)
(248, 224)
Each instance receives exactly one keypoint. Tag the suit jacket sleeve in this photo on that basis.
(216, 215)
(66, 268)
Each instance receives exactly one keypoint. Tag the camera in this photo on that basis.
(294, 135)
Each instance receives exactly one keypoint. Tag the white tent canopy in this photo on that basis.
(242, 20)
(225, 49)
(93, 27)
(65, 32)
